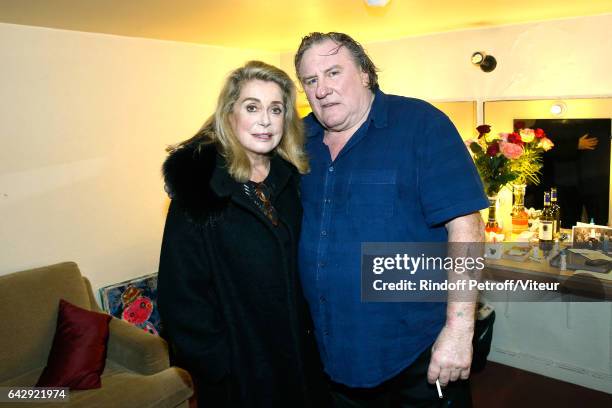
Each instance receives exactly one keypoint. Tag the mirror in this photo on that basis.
(579, 164)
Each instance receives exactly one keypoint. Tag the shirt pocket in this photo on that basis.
(372, 193)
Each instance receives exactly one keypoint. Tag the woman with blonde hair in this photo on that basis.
(228, 290)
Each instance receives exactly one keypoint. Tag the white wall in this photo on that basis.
(557, 58)
(84, 120)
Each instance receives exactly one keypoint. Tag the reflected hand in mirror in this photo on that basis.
(587, 142)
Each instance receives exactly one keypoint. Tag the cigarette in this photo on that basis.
(439, 389)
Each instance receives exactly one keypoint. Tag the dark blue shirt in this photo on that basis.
(400, 177)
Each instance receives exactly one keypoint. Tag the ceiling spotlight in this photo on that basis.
(486, 62)
(377, 3)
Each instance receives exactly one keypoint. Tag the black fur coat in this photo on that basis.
(228, 291)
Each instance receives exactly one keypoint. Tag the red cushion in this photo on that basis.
(78, 353)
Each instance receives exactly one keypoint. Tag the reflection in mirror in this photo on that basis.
(578, 166)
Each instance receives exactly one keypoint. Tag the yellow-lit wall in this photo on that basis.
(84, 120)
(463, 116)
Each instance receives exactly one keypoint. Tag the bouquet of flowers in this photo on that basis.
(508, 157)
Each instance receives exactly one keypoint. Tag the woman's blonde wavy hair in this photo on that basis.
(218, 130)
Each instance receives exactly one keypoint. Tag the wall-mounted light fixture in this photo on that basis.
(558, 108)
(487, 63)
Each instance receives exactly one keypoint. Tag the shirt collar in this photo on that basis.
(379, 111)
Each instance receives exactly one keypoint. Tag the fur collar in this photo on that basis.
(189, 172)
(196, 178)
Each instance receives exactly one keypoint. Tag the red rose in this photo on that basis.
(483, 130)
(515, 138)
(493, 149)
(539, 133)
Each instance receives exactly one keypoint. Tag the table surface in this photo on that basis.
(592, 283)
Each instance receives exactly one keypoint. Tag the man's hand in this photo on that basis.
(451, 356)
(587, 142)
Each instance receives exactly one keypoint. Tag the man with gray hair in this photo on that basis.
(384, 168)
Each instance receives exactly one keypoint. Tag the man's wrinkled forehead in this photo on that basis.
(325, 54)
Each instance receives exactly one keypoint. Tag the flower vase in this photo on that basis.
(492, 225)
(520, 218)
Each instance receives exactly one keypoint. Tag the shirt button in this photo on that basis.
(325, 332)
(321, 264)
(322, 299)
(323, 233)
(331, 169)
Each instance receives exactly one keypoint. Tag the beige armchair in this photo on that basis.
(137, 371)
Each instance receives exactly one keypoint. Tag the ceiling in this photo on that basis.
(278, 25)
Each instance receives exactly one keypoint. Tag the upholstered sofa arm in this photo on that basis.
(136, 349)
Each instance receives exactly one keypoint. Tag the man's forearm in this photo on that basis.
(465, 237)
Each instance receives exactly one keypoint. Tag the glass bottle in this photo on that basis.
(492, 225)
(520, 218)
(556, 212)
(545, 233)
